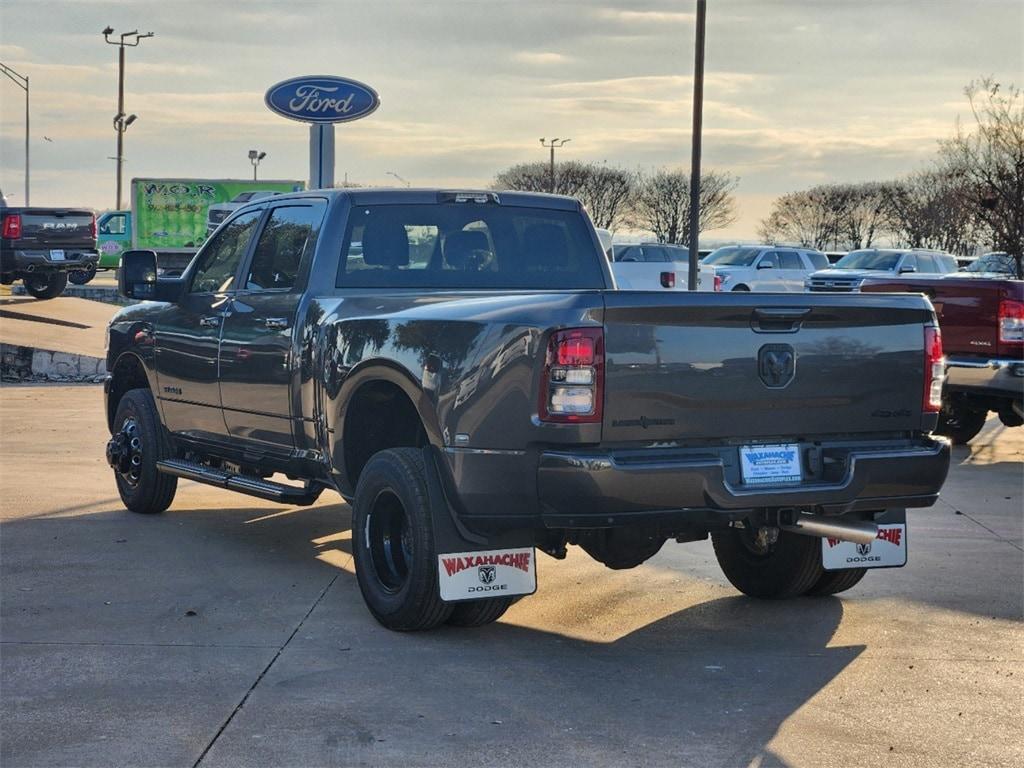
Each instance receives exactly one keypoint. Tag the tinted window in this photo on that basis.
(218, 261)
(817, 260)
(627, 253)
(654, 253)
(769, 258)
(869, 260)
(468, 245)
(675, 253)
(733, 256)
(790, 260)
(289, 234)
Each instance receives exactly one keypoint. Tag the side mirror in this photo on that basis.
(765, 265)
(136, 279)
(907, 268)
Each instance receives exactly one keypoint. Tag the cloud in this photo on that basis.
(645, 17)
(540, 57)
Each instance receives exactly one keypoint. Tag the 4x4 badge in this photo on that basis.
(776, 365)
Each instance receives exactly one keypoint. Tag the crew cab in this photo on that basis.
(847, 274)
(40, 246)
(459, 367)
(982, 321)
(764, 267)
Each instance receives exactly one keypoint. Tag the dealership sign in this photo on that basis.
(322, 99)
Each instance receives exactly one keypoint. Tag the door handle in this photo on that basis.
(276, 323)
(211, 321)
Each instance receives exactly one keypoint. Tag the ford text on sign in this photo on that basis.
(322, 99)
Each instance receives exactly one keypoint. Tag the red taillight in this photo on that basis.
(92, 227)
(1011, 322)
(572, 383)
(934, 369)
(668, 279)
(718, 282)
(12, 226)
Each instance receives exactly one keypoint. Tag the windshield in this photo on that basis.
(992, 262)
(460, 245)
(732, 256)
(882, 260)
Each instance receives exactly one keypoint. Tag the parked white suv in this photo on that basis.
(771, 268)
(656, 266)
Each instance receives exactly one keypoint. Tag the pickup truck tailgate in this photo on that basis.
(745, 365)
(56, 227)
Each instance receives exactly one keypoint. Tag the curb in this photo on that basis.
(19, 363)
(107, 295)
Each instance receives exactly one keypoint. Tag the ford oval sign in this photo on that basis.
(322, 99)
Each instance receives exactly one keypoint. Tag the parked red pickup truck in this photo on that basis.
(982, 323)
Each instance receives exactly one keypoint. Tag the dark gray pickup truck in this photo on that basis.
(461, 368)
(42, 247)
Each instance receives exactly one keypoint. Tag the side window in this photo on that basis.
(816, 260)
(289, 234)
(790, 260)
(948, 264)
(631, 254)
(771, 258)
(926, 263)
(218, 262)
(113, 225)
(908, 263)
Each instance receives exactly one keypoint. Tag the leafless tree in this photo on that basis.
(605, 191)
(931, 209)
(990, 161)
(830, 216)
(662, 204)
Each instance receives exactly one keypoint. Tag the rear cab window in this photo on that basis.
(460, 245)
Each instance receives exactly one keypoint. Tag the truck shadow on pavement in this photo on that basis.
(683, 680)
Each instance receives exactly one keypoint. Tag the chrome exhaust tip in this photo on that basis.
(857, 531)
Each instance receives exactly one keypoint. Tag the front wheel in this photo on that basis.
(787, 567)
(393, 542)
(138, 443)
(82, 276)
(46, 285)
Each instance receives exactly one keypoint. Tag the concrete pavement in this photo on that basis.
(231, 632)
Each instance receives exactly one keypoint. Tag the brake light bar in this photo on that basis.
(12, 226)
(1011, 322)
(934, 369)
(572, 382)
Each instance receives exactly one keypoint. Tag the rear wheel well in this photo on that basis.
(128, 374)
(379, 416)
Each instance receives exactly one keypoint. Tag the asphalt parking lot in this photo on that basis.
(230, 632)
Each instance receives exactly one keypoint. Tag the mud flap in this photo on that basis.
(472, 566)
(889, 550)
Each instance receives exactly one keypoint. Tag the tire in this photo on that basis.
(960, 423)
(46, 285)
(143, 488)
(834, 582)
(741, 288)
(477, 613)
(393, 542)
(787, 568)
(82, 276)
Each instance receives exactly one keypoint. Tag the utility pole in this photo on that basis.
(22, 82)
(552, 144)
(122, 121)
(698, 114)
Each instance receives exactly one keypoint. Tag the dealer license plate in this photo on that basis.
(492, 573)
(889, 550)
(770, 464)
(57, 255)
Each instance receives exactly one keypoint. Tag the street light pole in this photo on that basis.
(22, 82)
(254, 157)
(121, 121)
(698, 115)
(392, 173)
(552, 144)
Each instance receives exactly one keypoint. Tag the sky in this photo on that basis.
(797, 92)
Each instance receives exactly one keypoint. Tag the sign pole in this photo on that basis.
(698, 112)
(321, 156)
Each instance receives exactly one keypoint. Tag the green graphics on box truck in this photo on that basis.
(174, 214)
